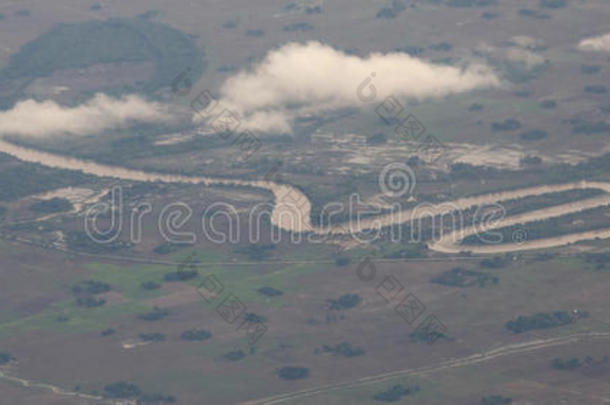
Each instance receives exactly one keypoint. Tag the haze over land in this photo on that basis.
(315, 201)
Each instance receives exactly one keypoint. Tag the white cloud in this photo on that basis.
(600, 43)
(47, 118)
(299, 79)
(529, 58)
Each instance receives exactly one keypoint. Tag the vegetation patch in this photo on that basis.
(5, 358)
(270, 292)
(344, 302)
(235, 355)
(117, 40)
(344, 349)
(51, 206)
(293, 373)
(395, 393)
(25, 179)
(152, 337)
(543, 320)
(196, 335)
(460, 277)
(496, 400)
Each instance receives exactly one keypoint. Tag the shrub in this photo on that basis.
(270, 291)
(526, 12)
(386, 12)
(590, 69)
(533, 135)
(548, 104)
(394, 393)
(298, 27)
(567, 364)
(108, 332)
(530, 161)
(152, 337)
(251, 317)
(596, 89)
(489, 16)
(181, 275)
(470, 3)
(552, 3)
(90, 302)
(235, 355)
(313, 10)
(393, 10)
(155, 399)
(230, 24)
(506, 125)
(5, 358)
(121, 389)
(256, 252)
(344, 349)
(90, 287)
(51, 206)
(166, 248)
(459, 277)
(588, 128)
(496, 400)
(377, 139)
(196, 335)
(426, 335)
(413, 51)
(255, 33)
(155, 315)
(495, 263)
(342, 261)
(441, 46)
(522, 93)
(293, 373)
(150, 285)
(346, 301)
(539, 321)
(475, 107)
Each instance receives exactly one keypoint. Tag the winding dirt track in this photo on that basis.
(292, 208)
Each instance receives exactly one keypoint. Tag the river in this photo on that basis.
(292, 208)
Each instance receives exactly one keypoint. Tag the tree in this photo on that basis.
(270, 291)
(346, 301)
(196, 335)
(395, 392)
(5, 358)
(234, 355)
(293, 373)
(121, 389)
(496, 400)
